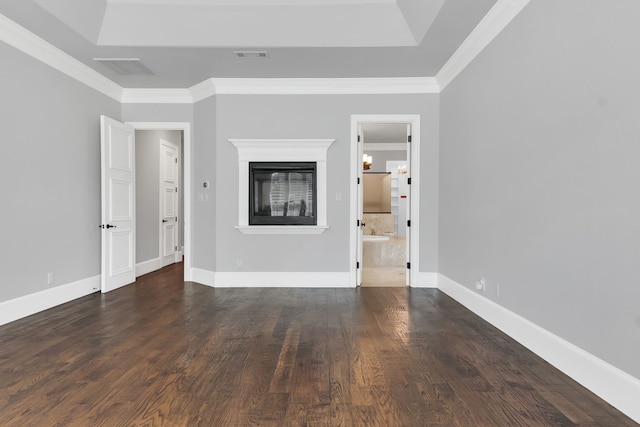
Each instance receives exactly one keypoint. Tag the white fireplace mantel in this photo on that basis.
(282, 150)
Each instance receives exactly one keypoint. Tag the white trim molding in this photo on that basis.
(426, 280)
(39, 301)
(146, 267)
(618, 388)
(282, 150)
(241, 279)
(202, 90)
(156, 96)
(281, 86)
(325, 86)
(281, 229)
(185, 127)
(24, 40)
(414, 200)
(500, 15)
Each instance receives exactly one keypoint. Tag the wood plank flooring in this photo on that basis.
(164, 352)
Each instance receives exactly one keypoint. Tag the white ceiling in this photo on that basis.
(184, 42)
(247, 23)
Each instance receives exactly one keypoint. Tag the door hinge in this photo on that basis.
(409, 181)
(358, 180)
(408, 223)
(408, 138)
(176, 160)
(409, 265)
(176, 248)
(358, 138)
(176, 189)
(176, 219)
(357, 264)
(357, 222)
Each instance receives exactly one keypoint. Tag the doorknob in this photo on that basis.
(164, 220)
(107, 226)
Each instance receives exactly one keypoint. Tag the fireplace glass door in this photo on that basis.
(282, 193)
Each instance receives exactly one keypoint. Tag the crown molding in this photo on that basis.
(283, 86)
(496, 20)
(202, 90)
(156, 96)
(24, 40)
(325, 86)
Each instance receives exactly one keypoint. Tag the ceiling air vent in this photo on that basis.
(125, 66)
(251, 54)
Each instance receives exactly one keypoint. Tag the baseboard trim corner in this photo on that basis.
(426, 280)
(611, 384)
(146, 267)
(36, 302)
(203, 277)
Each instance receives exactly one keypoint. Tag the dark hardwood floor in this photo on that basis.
(164, 352)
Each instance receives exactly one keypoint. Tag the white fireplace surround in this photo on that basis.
(282, 150)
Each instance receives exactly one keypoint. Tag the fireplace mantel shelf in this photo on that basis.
(282, 229)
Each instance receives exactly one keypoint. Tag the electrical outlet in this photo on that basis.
(481, 285)
(49, 278)
(497, 291)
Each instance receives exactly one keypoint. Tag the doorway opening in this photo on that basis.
(162, 199)
(385, 153)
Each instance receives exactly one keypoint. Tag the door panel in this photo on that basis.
(169, 240)
(118, 204)
(168, 202)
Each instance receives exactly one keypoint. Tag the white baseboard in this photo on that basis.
(34, 303)
(148, 266)
(204, 277)
(242, 279)
(426, 280)
(616, 387)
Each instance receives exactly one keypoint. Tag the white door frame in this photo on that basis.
(185, 127)
(414, 188)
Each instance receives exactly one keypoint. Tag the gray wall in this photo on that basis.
(313, 116)
(148, 144)
(50, 129)
(380, 158)
(204, 169)
(539, 173)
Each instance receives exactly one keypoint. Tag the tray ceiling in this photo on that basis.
(183, 42)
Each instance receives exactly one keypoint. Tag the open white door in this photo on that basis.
(360, 207)
(408, 207)
(118, 204)
(169, 171)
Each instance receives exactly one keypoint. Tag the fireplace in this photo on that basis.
(282, 185)
(282, 193)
